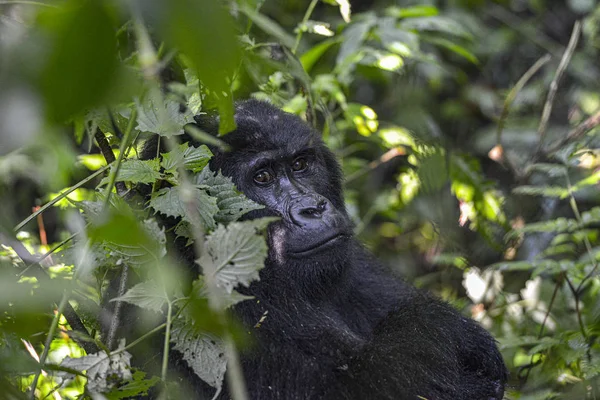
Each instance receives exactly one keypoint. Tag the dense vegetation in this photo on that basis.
(467, 130)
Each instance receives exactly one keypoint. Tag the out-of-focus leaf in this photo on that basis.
(202, 352)
(148, 295)
(268, 25)
(82, 63)
(354, 37)
(205, 33)
(453, 47)
(232, 204)
(136, 171)
(102, 371)
(189, 157)
(138, 386)
(547, 191)
(412, 12)
(164, 119)
(310, 58)
(437, 24)
(169, 201)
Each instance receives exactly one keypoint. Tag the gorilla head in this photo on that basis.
(279, 162)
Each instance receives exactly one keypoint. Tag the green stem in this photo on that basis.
(49, 338)
(302, 25)
(165, 360)
(59, 198)
(122, 150)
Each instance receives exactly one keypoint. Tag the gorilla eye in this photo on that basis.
(299, 164)
(263, 177)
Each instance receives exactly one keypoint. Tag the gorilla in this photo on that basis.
(335, 324)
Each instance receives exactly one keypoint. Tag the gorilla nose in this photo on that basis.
(308, 210)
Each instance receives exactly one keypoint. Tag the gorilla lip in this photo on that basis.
(322, 245)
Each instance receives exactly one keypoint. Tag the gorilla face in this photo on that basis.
(279, 162)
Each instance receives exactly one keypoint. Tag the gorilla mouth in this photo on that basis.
(320, 246)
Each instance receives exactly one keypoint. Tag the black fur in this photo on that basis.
(338, 325)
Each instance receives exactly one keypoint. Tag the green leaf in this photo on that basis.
(205, 32)
(232, 204)
(126, 239)
(547, 191)
(411, 12)
(148, 295)
(169, 202)
(453, 47)
(354, 37)
(191, 158)
(82, 63)
(136, 171)
(202, 352)
(310, 58)
(227, 300)
(234, 254)
(437, 24)
(138, 386)
(162, 119)
(102, 371)
(268, 25)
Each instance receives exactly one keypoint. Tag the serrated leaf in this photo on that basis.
(169, 202)
(202, 352)
(234, 254)
(148, 295)
(138, 386)
(232, 204)
(103, 372)
(162, 119)
(227, 300)
(191, 158)
(149, 248)
(136, 171)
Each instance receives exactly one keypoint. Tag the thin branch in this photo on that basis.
(583, 128)
(302, 25)
(109, 156)
(69, 313)
(510, 98)
(577, 309)
(564, 62)
(59, 198)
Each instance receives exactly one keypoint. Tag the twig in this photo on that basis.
(109, 156)
(583, 128)
(59, 198)
(562, 66)
(302, 25)
(69, 313)
(577, 310)
(510, 98)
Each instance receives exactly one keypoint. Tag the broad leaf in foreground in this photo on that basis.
(162, 119)
(234, 254)
(170, 203)
(186, 156)
(103, 372)
(203, 353)
(232, 204)
(137, 171)
(149, 295)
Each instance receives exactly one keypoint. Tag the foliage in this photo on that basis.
(471, 157)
